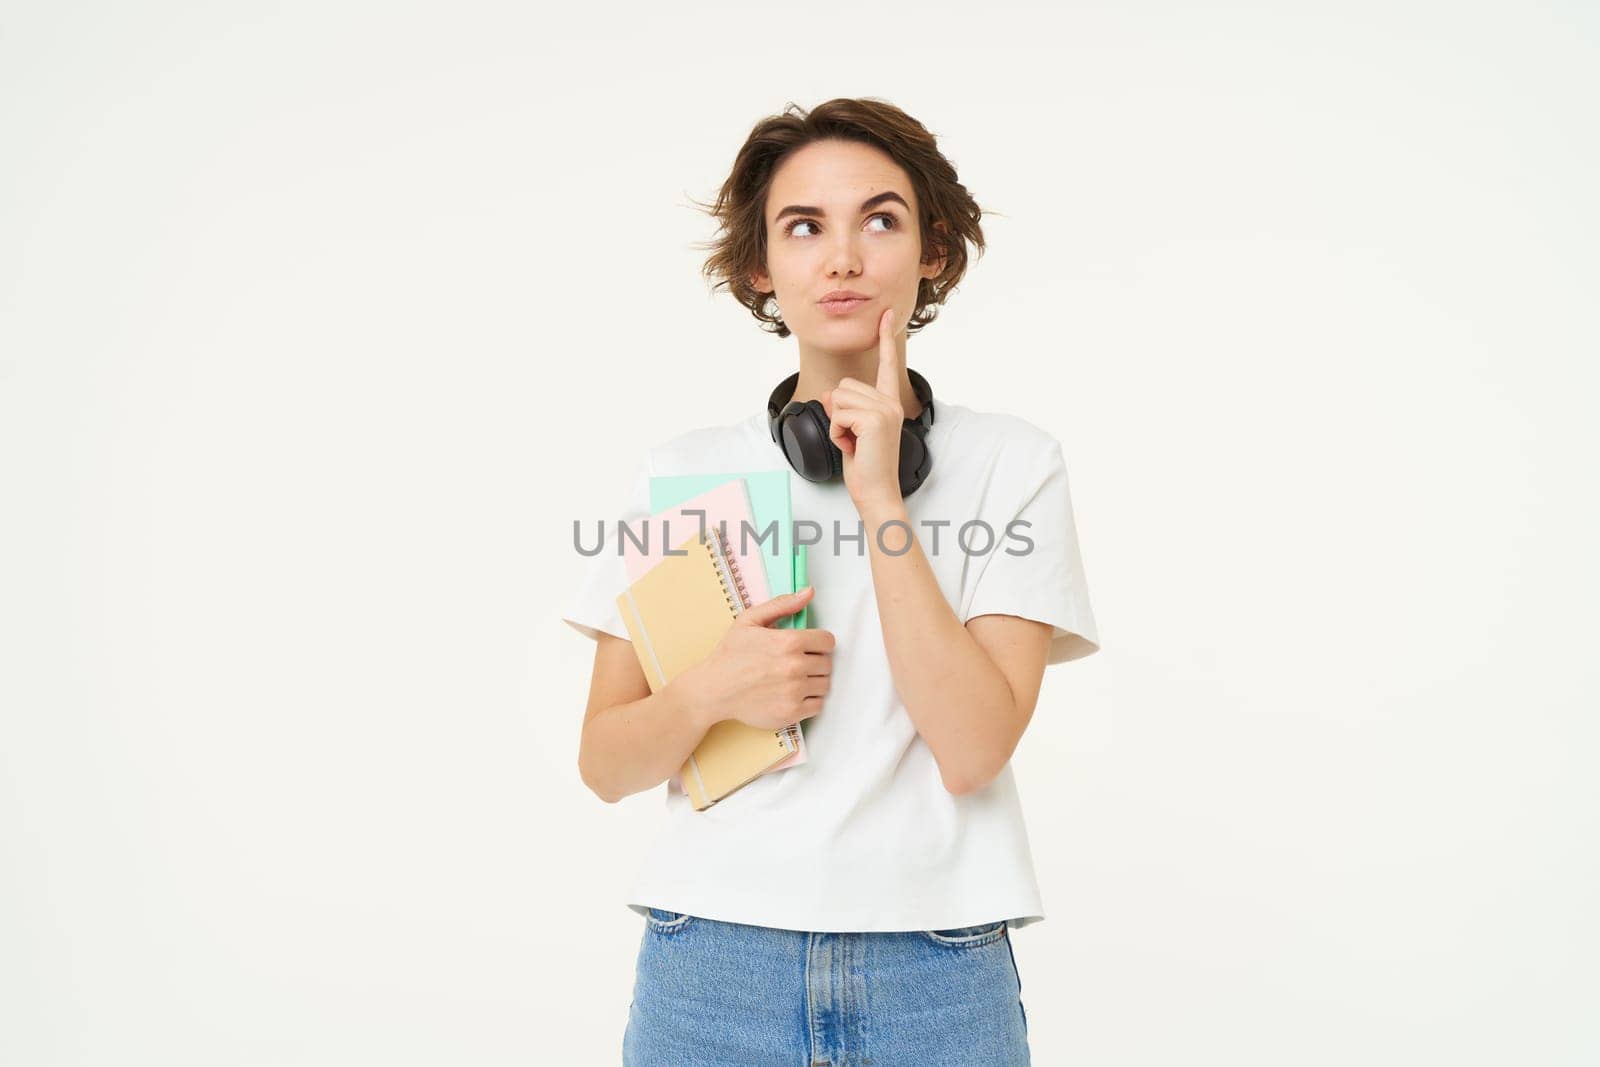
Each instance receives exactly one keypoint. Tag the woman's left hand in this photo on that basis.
(866, 423)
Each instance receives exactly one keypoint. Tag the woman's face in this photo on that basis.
(856, 228)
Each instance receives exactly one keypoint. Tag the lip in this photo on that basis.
(842, 301)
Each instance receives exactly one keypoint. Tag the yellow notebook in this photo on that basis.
(676, 613)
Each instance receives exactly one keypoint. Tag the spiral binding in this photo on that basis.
(727, 570)
(727, 565)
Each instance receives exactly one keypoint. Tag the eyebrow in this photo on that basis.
(870, 202)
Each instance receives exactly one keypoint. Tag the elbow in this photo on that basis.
(976, 772)
(609, 796)
(955, 787)
(962, 782)
(597, 787)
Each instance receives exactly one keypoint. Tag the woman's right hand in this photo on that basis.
(762, 676)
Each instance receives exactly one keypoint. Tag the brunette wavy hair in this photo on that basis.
(949, 216)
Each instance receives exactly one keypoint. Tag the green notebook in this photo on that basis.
(769, 501)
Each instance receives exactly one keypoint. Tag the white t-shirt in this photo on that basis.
(864, 835)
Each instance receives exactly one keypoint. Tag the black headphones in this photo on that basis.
(801, 430)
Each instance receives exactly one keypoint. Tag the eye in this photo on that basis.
(894, 223)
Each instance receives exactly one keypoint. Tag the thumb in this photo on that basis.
(769, 611)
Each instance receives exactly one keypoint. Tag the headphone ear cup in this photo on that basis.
(915, 463)
(803, 432)
(835, 454)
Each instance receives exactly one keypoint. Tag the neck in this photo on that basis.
(822, 370)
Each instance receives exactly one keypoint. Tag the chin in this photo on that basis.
(842, 342)
(853, 326)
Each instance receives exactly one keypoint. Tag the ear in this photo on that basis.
(936, 268)
(761, 283)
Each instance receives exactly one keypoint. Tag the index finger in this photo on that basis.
(889, 368)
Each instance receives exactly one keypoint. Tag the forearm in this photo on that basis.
(632, 747)
(958, 699)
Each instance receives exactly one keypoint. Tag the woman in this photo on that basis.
(856, 907)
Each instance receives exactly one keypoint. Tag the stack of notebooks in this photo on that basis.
(694, 567)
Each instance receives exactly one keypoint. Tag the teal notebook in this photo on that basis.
(785, 562)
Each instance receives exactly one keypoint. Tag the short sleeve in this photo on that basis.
(1035, 569)
(593, 609)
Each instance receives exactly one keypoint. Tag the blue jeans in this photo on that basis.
(709, 993)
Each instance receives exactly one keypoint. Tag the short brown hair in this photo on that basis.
(741, 245)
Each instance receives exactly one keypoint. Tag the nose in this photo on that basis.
(843, 258)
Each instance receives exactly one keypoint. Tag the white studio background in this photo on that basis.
(321, 323)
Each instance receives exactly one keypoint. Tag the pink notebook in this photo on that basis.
(726, 507)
